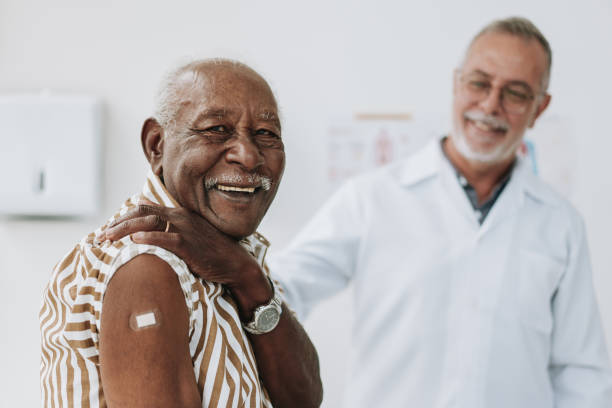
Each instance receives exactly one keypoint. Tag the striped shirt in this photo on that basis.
(223, 361)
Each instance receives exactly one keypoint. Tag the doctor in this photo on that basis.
(472, 277)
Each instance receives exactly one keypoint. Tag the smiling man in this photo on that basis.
(130, 325)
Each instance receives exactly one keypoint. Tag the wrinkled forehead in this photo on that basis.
(225, 88)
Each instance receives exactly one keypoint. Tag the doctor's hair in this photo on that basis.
(519, 27)
(167, 103)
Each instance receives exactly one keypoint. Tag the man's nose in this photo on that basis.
(492, 103)
(244, 152)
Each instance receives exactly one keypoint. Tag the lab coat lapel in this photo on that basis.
(453, 190)
(510, 200)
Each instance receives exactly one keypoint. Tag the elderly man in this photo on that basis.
(471, 277)
(129, 325)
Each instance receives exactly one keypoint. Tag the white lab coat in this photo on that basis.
(450, 313)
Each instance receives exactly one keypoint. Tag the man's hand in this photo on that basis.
(208, 252)
(287, 361)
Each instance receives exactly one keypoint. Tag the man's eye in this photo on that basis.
(514, 95)
(267, 138)
(214, 134)
(212, 129)
(218, 128)
(479, 85)
(265, 132)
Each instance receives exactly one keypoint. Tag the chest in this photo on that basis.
(424, 255)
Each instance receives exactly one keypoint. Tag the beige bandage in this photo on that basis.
(144, 320)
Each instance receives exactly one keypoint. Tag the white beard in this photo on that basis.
(496, 155)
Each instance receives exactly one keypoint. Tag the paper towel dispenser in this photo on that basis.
(50, 150)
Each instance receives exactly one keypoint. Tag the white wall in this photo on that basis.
(324, 59)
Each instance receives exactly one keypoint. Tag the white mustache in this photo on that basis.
(488, 119)
(253, 179)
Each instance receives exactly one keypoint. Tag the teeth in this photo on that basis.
(482, 126)
(487, 127)
(239, 189)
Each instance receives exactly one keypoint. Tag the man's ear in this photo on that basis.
(541, 108)
(152, 138)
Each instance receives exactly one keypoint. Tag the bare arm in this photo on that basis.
(287, 361)
(150, 366)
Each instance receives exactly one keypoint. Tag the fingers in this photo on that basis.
(166, 240)
(141, 210)
(133, 225)
(145, 201)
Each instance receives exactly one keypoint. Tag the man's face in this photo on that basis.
(497, 95)
(224, 157)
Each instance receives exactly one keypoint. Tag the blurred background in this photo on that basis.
(326, 61)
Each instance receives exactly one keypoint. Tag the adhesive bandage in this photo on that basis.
(144, 320)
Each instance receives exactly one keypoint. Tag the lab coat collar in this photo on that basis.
(430, 162)
(422, 165)
(531, 185)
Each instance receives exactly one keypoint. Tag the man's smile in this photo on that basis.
(487, 127)
(237, 189)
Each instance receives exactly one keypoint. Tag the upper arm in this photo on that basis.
(149, 366)
(321, 259)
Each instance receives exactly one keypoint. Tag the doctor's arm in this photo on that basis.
(321, 260)
(579, 367)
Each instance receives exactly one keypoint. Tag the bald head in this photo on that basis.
(176, 87)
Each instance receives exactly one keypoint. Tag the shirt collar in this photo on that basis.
(430, 161)
(155, 191)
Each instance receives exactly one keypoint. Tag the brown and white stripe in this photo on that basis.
(223, 361)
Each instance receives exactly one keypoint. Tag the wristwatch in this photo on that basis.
(266, 317)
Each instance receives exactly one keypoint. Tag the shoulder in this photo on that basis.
(146, 273)
(552, 217)
(542, 194)
(144, 284)
(127, 254)
(399, 176)
(406, 171)
(148, 269)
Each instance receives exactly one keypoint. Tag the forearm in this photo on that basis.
(286, 358)
(288, 364)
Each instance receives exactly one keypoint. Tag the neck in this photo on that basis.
(483, 177)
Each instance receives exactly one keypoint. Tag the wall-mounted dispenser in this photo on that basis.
(50, 149)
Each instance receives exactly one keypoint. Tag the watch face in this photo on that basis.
(268, 319)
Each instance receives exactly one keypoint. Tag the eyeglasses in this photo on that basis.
(515, 97)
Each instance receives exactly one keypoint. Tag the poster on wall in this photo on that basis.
(372, 140)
